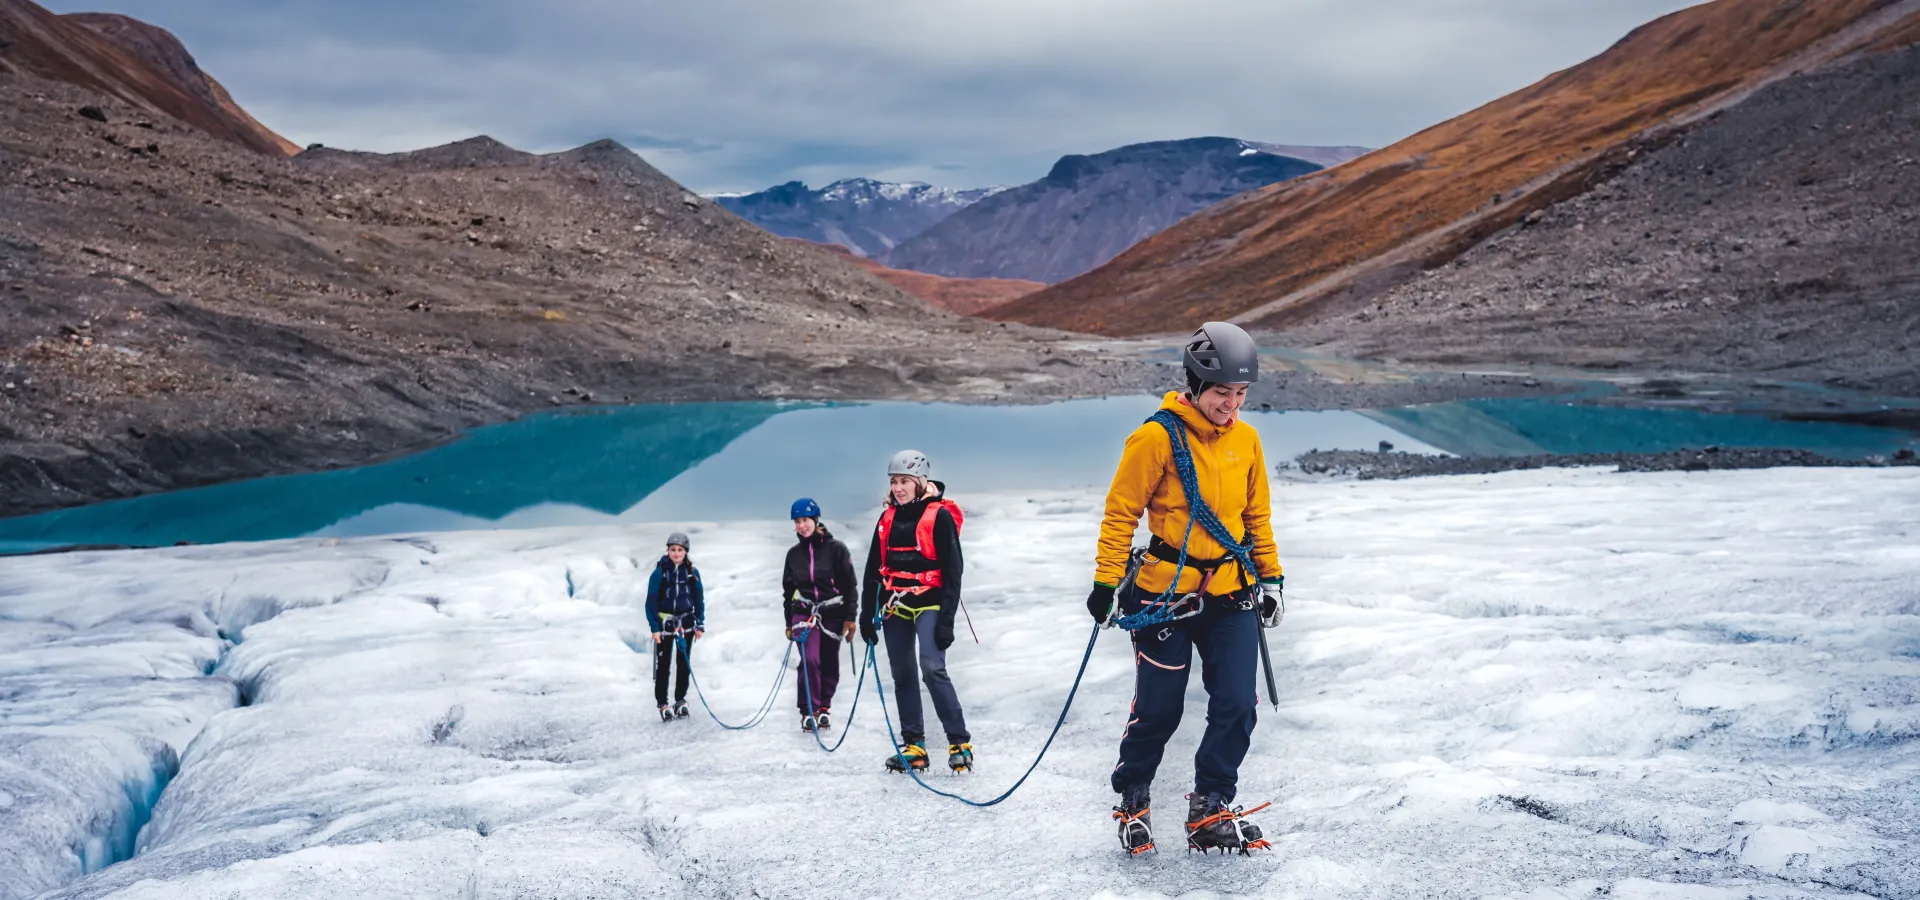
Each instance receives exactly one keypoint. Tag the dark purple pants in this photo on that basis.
(819, 665)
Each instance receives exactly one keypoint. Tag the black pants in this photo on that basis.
(1226, 635)
(664, 654)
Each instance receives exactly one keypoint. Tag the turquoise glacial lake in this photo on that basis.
(729, 461)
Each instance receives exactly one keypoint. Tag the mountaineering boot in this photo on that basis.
(911, 756)
(960, 757)
(666, 713)
(680, 709)
(1212, 825)
(807, 724)
(1136, 826)
(821, 721)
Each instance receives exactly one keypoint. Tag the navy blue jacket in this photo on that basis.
(675, 591)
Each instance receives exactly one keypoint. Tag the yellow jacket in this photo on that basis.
(1232, 472)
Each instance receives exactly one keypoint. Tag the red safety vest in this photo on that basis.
(915, 583)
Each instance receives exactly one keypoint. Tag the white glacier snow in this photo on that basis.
(1546, 684)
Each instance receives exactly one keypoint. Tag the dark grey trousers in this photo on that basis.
(902, 635)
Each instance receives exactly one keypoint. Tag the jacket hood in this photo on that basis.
(1195, 420)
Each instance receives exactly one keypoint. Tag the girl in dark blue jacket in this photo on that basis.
(677, 612)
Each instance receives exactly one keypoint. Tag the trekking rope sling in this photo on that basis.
(1171, 605)
(766, 706)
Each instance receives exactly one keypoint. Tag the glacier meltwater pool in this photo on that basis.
(728, 461)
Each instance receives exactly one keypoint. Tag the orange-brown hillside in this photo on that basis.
(965, 296)
(130, 60)
(1299, 250)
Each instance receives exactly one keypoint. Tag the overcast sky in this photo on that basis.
(741, 94)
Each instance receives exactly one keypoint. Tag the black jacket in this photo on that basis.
(946, 545)
(820, 570)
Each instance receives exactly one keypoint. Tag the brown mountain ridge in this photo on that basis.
(966, 296)
(137, 63)
(1327, 243)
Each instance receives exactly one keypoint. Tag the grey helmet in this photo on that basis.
(1222, 353)
(679, 537)
(910, 462)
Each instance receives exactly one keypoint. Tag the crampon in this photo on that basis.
(1226, 830)
(1136, 829)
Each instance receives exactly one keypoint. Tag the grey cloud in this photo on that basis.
(740, 94)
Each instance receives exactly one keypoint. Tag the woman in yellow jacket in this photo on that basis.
(1190, 589)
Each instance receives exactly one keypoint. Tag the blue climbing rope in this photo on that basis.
(895, 737)
(1163, 609)
(766, 706)
(847, 726)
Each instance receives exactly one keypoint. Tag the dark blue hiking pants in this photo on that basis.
(1227, 638)
(910, 642)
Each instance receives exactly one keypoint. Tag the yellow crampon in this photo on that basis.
(911, 756)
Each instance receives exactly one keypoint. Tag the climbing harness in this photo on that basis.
(892, 735)
(1172, 605)
(893, 607)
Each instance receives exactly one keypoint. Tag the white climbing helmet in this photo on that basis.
(910, 462)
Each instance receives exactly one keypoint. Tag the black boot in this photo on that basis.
(1212, 825)
(666, 713)
(1136, 825)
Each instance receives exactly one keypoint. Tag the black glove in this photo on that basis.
(1272, 602)
(868, 632)
(1100, 603)
(942, 635)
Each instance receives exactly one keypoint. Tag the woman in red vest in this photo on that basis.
(913, 589)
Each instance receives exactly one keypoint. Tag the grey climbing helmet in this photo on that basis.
(679, 537)
(1222, 353)
(910, 462)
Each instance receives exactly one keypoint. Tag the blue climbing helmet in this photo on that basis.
(804, 508)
